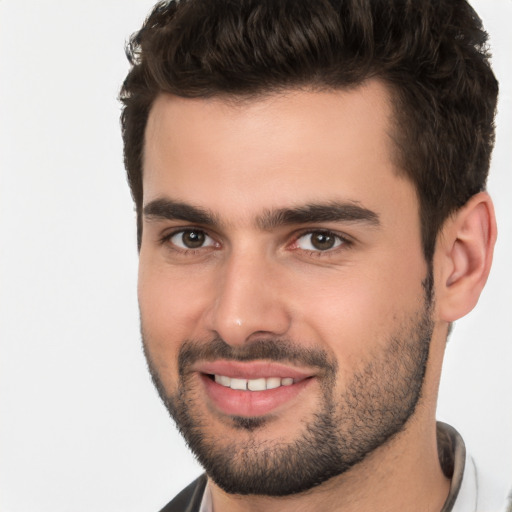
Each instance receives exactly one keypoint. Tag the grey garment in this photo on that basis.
(452, 456)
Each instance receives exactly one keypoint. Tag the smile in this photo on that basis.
(261, 384)
(236, 399)
(252, 388)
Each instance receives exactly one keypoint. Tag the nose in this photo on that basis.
(249, 301)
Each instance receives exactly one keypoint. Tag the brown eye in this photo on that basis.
(191, 239)
(319, 241)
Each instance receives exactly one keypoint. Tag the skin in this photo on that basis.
(242, 160)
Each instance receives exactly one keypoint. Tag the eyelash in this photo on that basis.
(166, 240)
(344, 242)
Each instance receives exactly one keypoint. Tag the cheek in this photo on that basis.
(169, 309)
(344, 316)
(355, 312)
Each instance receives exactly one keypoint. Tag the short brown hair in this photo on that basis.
(432, 54)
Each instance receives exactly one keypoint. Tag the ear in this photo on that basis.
(463, 257)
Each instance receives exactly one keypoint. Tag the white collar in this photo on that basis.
(468, 494)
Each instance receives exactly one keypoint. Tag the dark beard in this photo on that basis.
(374, 408)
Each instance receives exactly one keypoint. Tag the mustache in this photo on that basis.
(282, 351)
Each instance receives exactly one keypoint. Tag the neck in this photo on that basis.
(403, 474)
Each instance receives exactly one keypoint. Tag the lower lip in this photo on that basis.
(251, 403)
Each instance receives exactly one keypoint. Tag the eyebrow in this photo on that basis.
(167, 209)
(313, 213)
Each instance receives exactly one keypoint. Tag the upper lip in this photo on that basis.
(250, 369)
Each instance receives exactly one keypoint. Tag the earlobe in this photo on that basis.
(464, 257)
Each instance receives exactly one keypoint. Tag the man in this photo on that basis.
(309, 180)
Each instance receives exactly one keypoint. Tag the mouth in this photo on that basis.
(261, 384)
(252, 389)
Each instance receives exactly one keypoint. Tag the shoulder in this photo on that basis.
(189, 499)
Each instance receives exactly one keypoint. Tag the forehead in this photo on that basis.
(239, 158)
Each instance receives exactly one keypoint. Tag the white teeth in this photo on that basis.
(253, 384)
(224, 381)
(257, 384)
(238, 384)
(273, 382)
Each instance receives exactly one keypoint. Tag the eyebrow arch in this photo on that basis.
(333, 211)
(168, 209)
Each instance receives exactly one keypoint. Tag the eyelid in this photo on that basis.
(344, 240)
(168, 235)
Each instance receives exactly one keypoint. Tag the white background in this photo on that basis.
(81, 428)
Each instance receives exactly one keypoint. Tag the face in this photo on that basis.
(284, 310)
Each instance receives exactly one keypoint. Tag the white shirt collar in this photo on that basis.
(468, 494)
(206, 502)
